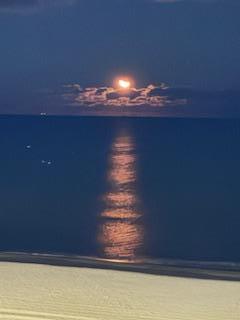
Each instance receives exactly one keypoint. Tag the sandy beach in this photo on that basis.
(32, 291)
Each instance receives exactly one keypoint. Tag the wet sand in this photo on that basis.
(179, 268)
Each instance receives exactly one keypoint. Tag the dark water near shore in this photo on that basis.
(121, 188)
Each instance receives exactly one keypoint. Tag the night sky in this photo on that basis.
(190, 48)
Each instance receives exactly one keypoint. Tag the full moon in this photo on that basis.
(124, 84)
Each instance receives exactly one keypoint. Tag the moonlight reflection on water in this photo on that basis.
(121, 234)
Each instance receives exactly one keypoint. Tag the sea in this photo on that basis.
(121, 188)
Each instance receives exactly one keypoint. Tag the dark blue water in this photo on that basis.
(121, 188)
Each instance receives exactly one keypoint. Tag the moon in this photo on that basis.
(124, 84)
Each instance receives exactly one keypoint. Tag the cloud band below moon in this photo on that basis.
(154, 96)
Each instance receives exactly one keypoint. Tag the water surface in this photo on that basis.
(121, 188)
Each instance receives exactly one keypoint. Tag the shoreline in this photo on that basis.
(172, 268)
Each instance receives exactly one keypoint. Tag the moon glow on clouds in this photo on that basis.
(120, 95)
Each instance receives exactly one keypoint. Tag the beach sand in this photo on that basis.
(32, 291)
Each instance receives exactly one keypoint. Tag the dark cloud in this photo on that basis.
(152, 100)
(197, 1)
(100, 91)
(154, 96)
(114, 95)
(14, 3)
(130, 94)
(34, 6)
(20, 4)
(29, 6)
